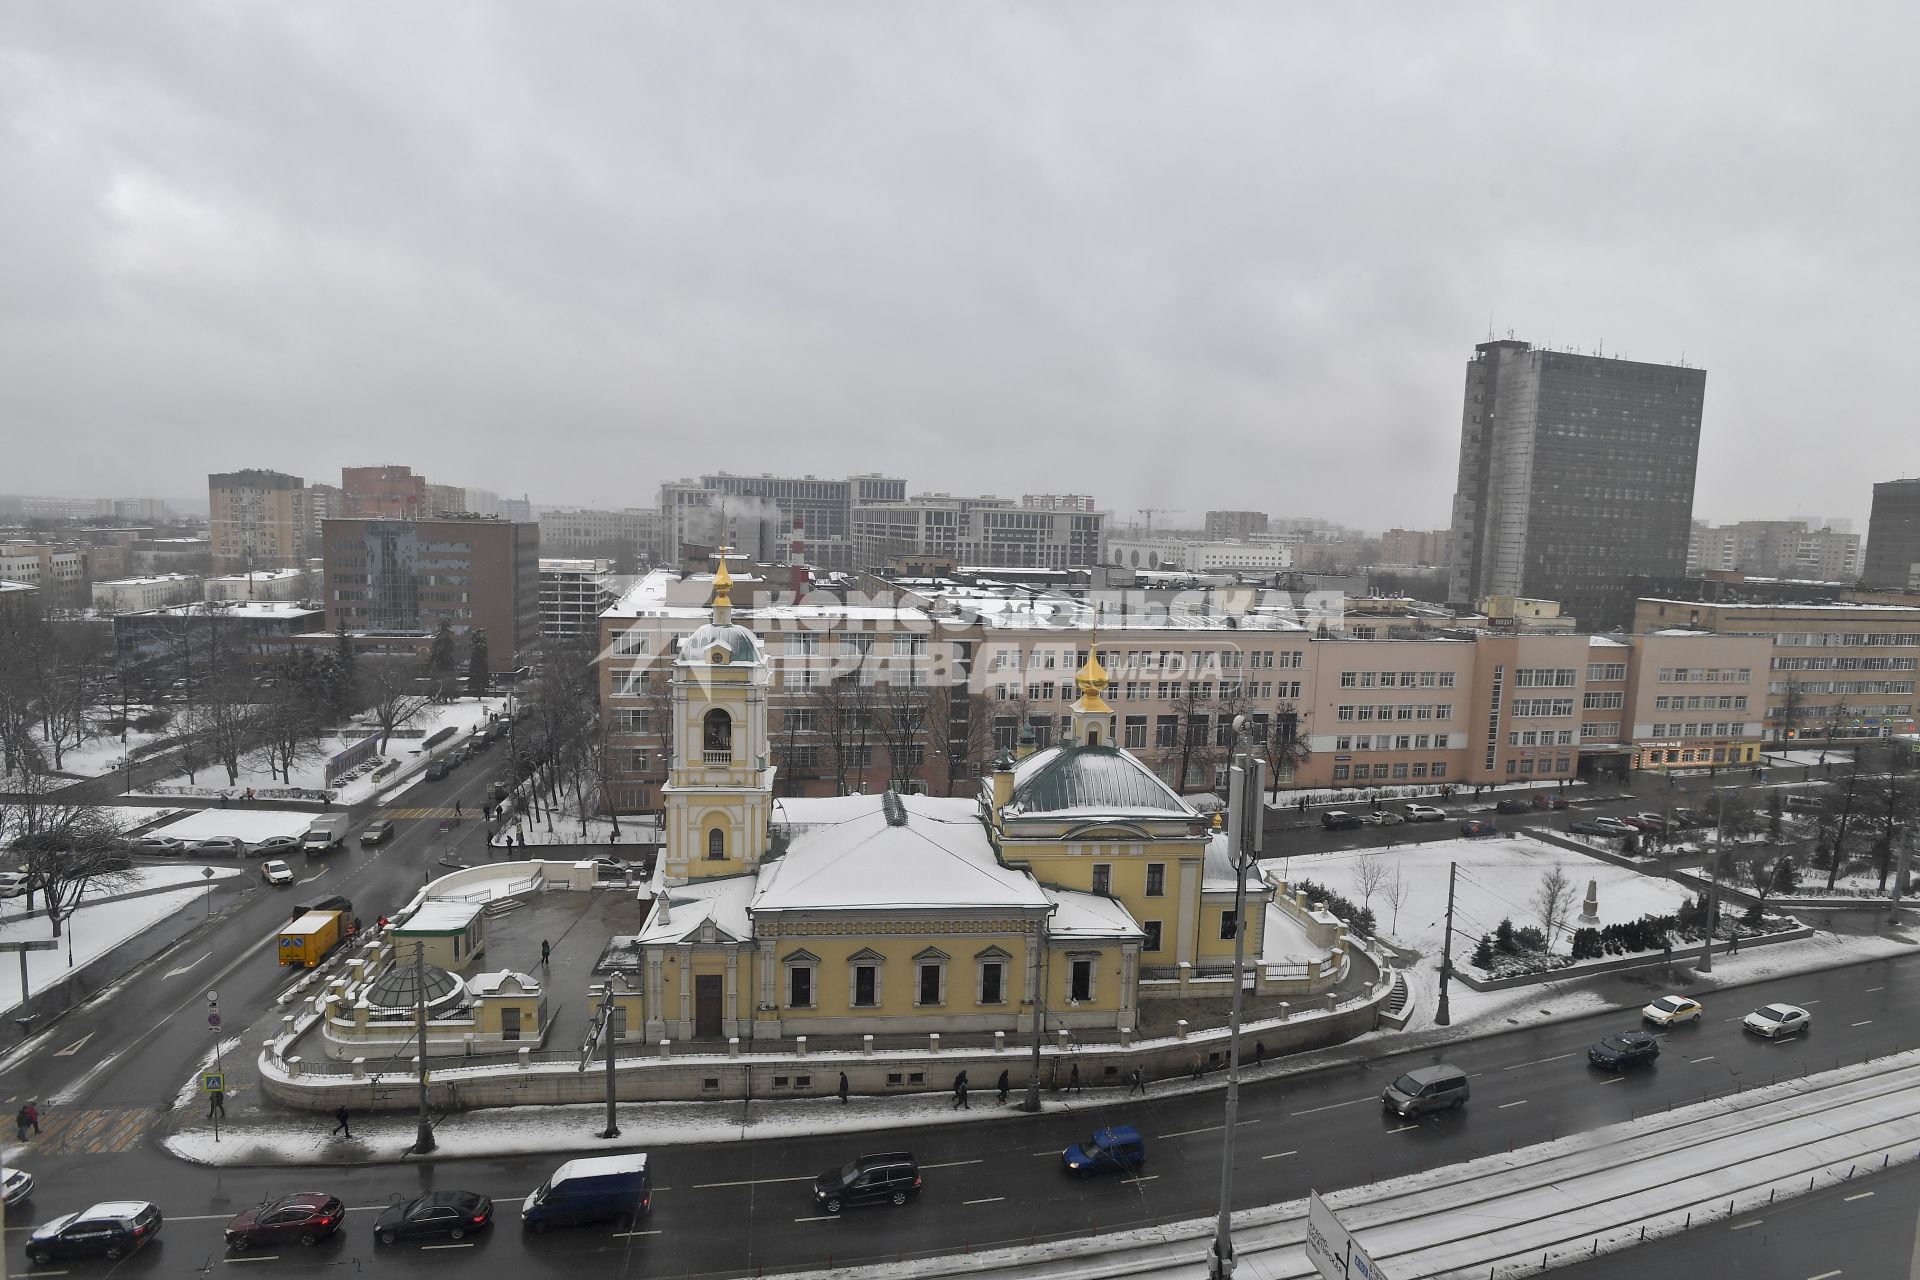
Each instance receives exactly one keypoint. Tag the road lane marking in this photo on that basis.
(1212, 1128)
(174, 973)
(1742, 1226)
(988, 1200)
(1825, 1275)
(1867, 1023)
(1615, 1078)
(253, 1257)
(1809, 1002)
(949, 1164)
(1859, 1195)
(823, 1217)
(1405, 1128)
(463, 1244)
(1503, 1106)
(1708, 1058)
(1871, 990)
(1332, 1105)
(755, 1182)
(654, 1232)
(1151, 1177)
(75, 1047)
(1536, 1062)
(310, 879)
(1280, 1155)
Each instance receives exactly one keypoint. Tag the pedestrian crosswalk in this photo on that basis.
(91, 1131)
(432, 814)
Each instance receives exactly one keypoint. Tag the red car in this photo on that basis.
(1549, 800)
(307, 1217)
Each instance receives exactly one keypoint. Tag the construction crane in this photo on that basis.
(1150, 513)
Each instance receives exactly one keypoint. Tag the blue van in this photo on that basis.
(594, 1189)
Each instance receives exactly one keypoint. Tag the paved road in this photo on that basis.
(1862, 1231)
(732, 1208)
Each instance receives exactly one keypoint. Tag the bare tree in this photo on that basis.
(903, 706)
(1835, 836)
(1792, 706)
(1553, 902)
(844, 714)
(963, 726)
(63, 848)
(1397, 890)
(227, 720)
(1894, 801)
(1194, 749)
(395, 699)
(287, 728)
(1370, 876)
(1285, 746)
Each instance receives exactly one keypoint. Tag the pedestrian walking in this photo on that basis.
(1004, 1086)
(341, 1116)
(546, 953)
(1733, 945)
(1196, 1066)
(249, 795)
(1073, 1079)
(843, 1088)
(520, 839)
(217, 1104)
(456, 810)
(20, 1122)
(1139, 1083)
(960, 1093)
(33, 1115)
(223, 799)
(1259, 1052)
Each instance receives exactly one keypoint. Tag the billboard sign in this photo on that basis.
(1331, 1247)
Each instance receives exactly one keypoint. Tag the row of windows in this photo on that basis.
(1405, 711)
(1846, 639)
(1396, 679)
(1612, 701)
(1606, 671)
(1133, 660)
(1601, 730)
(1697, 702)
(1849, 711)
(1718, 729)
(1844, 664)
(1545, 678)
(1842, 686)
(1705, 675)
(865, 988)
(1530, 765)
(1543, 706)
(1382, 772)
(1390, 742)
(1540, 738)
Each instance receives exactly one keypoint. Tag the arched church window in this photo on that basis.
(716, 736)
(716, 844)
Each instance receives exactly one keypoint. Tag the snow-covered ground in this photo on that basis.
(252, 823)
(97, 929)
(1497, 878)
(1801, 756)
(101, 752)
(311, 775)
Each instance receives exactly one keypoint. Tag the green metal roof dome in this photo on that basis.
(732, 639)
(1093, 780)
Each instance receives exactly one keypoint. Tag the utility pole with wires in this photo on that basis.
(1442, 1016)
(423, 1132)
(1244, 790)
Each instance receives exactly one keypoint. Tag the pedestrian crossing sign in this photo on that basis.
(213, 1082)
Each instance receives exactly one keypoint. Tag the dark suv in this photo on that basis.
(114, 1228)
(1340, 820)
(1617, 1053)
(890, 1177)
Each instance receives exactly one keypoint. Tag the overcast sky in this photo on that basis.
(1176, 255)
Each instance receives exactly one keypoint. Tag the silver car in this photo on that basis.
(221, 846)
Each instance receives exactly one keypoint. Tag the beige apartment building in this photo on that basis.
(1836, 670)
(1694, 698)
(257, 520)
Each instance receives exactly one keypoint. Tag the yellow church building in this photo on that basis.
(1073, 877)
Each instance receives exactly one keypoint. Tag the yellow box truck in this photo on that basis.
(308, 939)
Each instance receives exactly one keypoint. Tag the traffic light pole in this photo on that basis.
(1243, 843)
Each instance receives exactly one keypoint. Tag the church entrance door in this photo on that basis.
(708, 994)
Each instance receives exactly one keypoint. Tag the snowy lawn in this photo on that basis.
(252, 823)
(95, 931)
(1498, 878)
(311, 775)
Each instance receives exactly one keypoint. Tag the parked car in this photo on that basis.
(1549, 800)
(440, 768)
(14, 884)
(1118, 1149)
(1513, 804)
(1617, 1053)
(1425, 813)
(1477, 827)
(220, 847)
(1615, 827)
(165, 845)
(113, 1228)
(306, 1217)
(15, 1185)
(1427, 1089)
(1691, 818)
(453, 1214)
(277, 845)
(1385, 818)
(1654, 822)
(274, 871)
(1671, 1011)
(1591, 827)
(380, 828)
(892, 1176)
(1339, 820)
(1805, 804)
(1776, 1020)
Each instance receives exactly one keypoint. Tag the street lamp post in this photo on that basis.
(423, 1131)
(1040, 968)
(1243, 842)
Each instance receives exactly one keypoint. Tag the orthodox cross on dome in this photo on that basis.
(1093, 719)
(722, 590)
